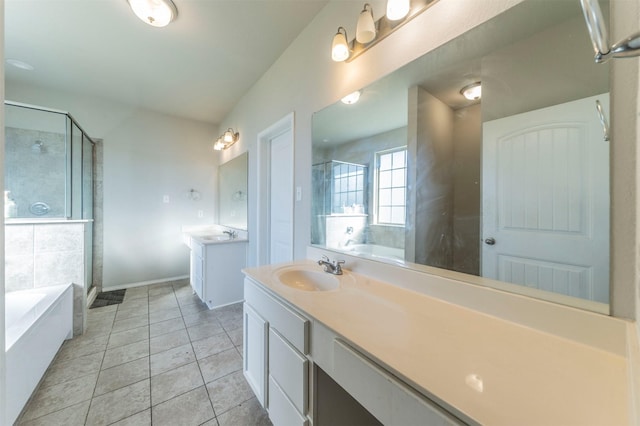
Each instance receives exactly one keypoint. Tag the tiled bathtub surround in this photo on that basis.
(48, 254)
(159, 358)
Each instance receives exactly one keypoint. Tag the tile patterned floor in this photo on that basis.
(158, 358)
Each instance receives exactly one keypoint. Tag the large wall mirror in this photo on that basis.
(512, 187)
(232, 192)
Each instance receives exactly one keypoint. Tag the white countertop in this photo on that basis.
(527, 376)
(207, 235)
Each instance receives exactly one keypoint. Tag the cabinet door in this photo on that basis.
(255, 353)
(196, 273)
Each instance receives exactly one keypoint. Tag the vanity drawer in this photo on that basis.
(389, 400)
(289, 369)
(291, 325)
(281, 411)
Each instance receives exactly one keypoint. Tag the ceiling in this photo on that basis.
(198, 67)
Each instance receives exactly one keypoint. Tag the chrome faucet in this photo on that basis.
(330, 267)
(232, 234)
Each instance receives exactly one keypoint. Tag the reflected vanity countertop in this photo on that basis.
(484, 368)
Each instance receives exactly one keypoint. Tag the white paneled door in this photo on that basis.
(545, 184)
(281, 198)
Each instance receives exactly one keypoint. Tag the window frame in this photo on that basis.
(376, 193)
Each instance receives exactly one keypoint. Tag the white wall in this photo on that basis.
(146, 155)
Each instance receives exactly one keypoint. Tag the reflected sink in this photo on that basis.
(308, 280)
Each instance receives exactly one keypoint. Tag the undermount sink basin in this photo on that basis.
(215, 237)
(308, 280)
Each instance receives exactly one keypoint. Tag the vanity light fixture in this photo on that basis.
(369, 32)
(339, 46)
(157, 13)
(227, 139)
(397, 9)
(351, 98)
(473, 92)
(366, 28)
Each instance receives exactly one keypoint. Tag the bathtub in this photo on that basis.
(375, 251)
(36, 323)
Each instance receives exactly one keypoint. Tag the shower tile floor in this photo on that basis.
(158, 358)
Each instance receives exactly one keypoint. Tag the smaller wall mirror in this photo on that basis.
(232, 193)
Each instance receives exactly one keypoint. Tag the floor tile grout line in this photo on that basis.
(95, 386)
(215, 416)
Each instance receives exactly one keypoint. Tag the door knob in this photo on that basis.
(490, 241)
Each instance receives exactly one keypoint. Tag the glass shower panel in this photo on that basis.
(87, 177)
(76, 171)
(36, 156)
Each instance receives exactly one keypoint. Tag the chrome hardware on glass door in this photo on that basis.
(603, 120)
(626, 48)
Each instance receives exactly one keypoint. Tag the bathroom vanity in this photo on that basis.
(216, 260)
(423, 350)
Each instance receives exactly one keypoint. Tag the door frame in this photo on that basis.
(263, 234)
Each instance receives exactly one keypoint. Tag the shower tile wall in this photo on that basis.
(41, 255)
(24, 161)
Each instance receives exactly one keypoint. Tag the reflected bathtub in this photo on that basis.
(36, 323)
(374, 251)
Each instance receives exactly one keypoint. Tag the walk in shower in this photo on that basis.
(48, 165)
(49, 203)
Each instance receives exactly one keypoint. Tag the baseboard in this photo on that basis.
(92, 296)
(143, 283)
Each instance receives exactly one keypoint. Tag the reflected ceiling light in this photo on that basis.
(157, 13)
(227, 139)
(473, 92)
(351, 98)
(340, 47)
(397, 9)
(20, 64)
(366, 28)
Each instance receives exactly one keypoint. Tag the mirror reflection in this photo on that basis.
(510, 185)
(232, 192)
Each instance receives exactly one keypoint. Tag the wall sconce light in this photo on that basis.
(366, 28)
(227, 139)
(351, 98)
(473, 91)
(370, 32)
(397, 9)
(157, 13)
(339, 46)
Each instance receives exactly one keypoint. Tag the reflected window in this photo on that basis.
(391, 186)
(348, 188)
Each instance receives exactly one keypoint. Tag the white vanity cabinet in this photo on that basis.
(215, 269)
(283, 351)
(276, 344)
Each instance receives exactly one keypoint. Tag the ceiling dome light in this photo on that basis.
(351, 98)
(340, 47)
(473, 92)
(366, 28)
(20, 64)
(157, 13)
(397, 9)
